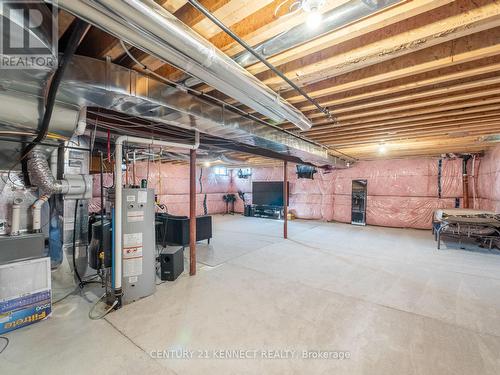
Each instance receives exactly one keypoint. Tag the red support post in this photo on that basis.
(192, 212)
(285, 199)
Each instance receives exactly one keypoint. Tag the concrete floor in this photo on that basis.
(385, 296)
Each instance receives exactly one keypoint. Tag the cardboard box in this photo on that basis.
(25, 293)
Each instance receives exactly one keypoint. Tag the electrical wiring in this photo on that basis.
(65, 296)
(81, 284)
(7, 341)
(292, 9)
(93, 317)
(133, 125)
(77, 289)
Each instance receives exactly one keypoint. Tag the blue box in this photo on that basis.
(25, 293)
(22, 311)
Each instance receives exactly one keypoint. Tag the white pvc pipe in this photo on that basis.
(16, 214)
(53, 162)
(118, 250)
(37, 213)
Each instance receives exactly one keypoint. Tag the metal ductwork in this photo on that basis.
(340, 16)
(41, 176)
(94, 83)
(149, 27)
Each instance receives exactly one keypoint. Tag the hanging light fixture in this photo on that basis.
(313, 10)
(382, 149)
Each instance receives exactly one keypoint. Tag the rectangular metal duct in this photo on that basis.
(95, 83)
(149, 27)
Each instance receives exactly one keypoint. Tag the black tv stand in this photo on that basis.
(271, 212)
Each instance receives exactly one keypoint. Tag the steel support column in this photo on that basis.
(192, 212)
(285, 199)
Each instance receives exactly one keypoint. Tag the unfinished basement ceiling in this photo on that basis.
(420, 77)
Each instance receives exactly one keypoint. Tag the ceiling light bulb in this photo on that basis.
(206, 164)
(382, 149)
(314, 18)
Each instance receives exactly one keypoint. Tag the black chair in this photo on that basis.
(174, 230)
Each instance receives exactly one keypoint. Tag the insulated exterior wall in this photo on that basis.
(171, 184)
(488, 181)
(401, 192)
(309, 199)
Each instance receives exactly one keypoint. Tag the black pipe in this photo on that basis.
(80, 281)
(257, 55)
(79, 31)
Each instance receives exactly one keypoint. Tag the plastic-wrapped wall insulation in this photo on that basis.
(171, 184)
(488, 180)
(401, 192)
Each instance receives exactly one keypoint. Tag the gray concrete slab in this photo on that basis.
(386, 296)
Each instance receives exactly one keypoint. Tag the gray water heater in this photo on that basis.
(139, 273)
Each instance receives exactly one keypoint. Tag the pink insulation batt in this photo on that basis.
(487, 181)
(171, 184)
(401, 192)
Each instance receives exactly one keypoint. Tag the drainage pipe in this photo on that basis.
(118, 249)
(16, 214)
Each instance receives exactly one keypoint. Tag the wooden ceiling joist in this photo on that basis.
(363, 128)
(397, 130)
(490, 127)
(422, 76)
(418, 90)
(408, 119)
(467, 17)
(393, 15)
(357, 111)
(431, 109)
(471, 48)
(440, 93)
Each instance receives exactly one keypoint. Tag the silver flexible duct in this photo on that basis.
(149, 27)
(41, 176)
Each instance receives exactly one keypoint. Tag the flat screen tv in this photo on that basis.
(268, 193)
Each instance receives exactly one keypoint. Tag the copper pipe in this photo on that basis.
(192, 212)
(285, 199)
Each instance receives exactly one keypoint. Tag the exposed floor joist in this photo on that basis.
(420, 75)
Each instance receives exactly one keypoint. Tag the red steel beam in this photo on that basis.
(285, 199)
(192, 212)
